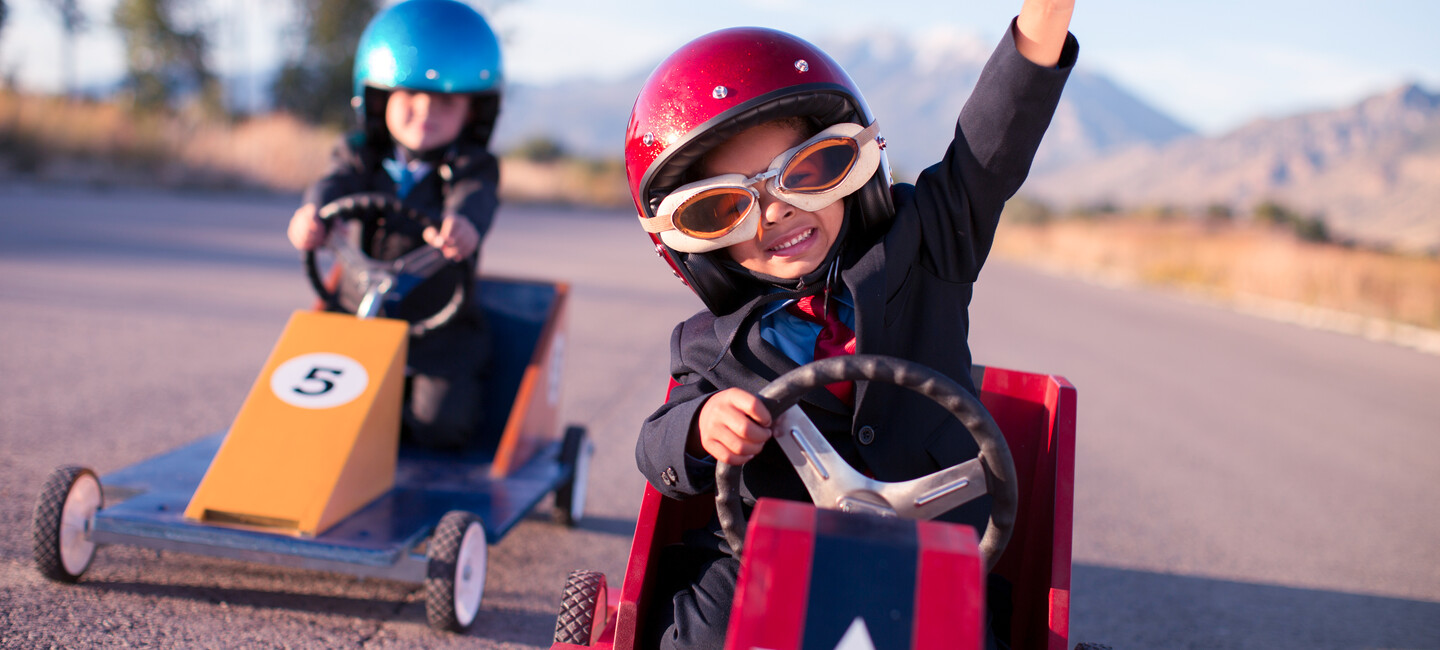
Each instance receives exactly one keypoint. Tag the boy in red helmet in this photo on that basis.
(760, 173)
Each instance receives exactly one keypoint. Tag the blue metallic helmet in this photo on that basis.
(429, 45)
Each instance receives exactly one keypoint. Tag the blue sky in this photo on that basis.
(1213, 65)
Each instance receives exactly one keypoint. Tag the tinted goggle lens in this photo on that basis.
(713, 212)
(820, 166)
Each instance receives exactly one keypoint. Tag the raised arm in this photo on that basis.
(1042, 27)
(959, 200)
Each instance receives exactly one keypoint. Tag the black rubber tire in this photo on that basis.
(445, 570)
(47, 524)
(574, 455)
(582, 598)
(1091, 646)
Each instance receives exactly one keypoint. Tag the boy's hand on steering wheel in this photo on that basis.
(306, 230)
(456, 237)
(733, 426)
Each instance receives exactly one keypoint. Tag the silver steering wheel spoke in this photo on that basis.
(826, 475)
(348, 253)
(379, 283)
(422, 262)
(834, 484)
(930, 496)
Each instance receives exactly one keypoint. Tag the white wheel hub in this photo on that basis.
(81, 503)
(580, 480)
(470, 574)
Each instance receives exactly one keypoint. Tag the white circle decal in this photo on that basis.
(320, 380)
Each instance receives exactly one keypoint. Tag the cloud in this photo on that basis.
(576, 42)
(1231, 83)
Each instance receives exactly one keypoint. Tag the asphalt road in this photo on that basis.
(1240, 483)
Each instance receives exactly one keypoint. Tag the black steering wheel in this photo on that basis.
(834, 484)
(382, 283)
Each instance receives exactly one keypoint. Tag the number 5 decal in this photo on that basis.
(325, 384)
(320, 380)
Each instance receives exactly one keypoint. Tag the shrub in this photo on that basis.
(1021, 209)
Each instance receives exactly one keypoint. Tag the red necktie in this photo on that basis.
(835, 338)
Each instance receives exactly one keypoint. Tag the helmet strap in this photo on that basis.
(720, 289)
(874, 204)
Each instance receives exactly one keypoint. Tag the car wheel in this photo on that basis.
(575, 452)
(64, 514)
(582, 609)
(455, 577)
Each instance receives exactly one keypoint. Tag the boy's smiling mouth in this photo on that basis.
(792, 241)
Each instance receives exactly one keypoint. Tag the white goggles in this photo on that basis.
(721, 211)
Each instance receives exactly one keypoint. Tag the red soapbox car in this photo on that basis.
(864, 568)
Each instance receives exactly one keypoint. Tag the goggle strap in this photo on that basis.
(658, 223)
(868, 134)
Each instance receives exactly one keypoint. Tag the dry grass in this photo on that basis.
(1234, 262)
(574, 182)
(100, 143)
(276, 152)
(53, 139)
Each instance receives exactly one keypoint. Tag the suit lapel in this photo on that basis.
(867, 289)
(775, 360)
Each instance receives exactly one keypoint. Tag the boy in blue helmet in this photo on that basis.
(427, 92)
(759, 173)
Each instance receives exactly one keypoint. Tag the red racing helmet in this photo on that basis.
(711, 89)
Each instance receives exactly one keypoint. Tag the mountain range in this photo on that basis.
(1371, 171)
(914, 87)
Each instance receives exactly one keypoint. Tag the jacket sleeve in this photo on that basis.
(473, 192)
(660, 450)
(345, 176)
(959, 199)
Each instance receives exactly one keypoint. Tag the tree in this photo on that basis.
(165, 62)
(1312, 229)
(541, 149)
(1026, 210)
(316, 84)
(1219, 212)
(1273, 213)
(6, 80)
(72, 22)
